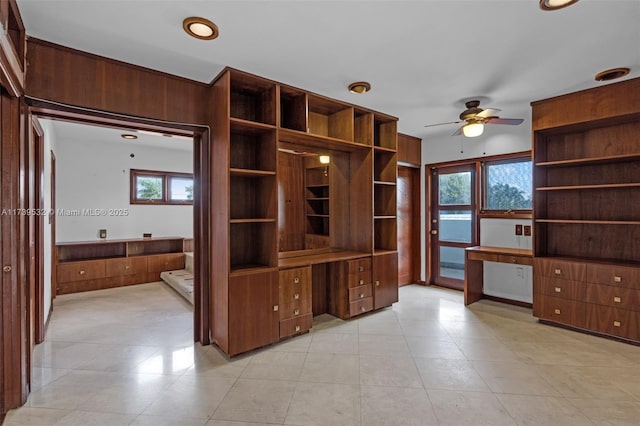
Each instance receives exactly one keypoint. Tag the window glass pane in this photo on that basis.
(452, 262)
(149, 187)
(455, 226)
(181, 189)
(508, 186)
(455, 188)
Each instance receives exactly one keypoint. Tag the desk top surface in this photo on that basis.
(317, 258)
(501, 250)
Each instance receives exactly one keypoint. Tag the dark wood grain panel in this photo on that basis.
(616, 275)
(564, 311)
(125, 266)
(81, 271)
(102, 283)
(556, 287)
(360, 292)
(408, 220)
(296, 325)
(295, 286)
(616, 322)
(409, 149)
(69, 76)
(563, 269)
(361, 306)
(599, 103)
(385, 280)
(618, 297)
(319, 285)
(291, 231)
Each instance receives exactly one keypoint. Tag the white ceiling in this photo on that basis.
(422, 58)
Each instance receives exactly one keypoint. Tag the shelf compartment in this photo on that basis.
(384, 200)
(252, 245)
(590, 174)
(616, 204)
(317, 176)
(250, 172)
(385, 167)
(252, 197)
(159, 246)
(253, 220)
(590, 161)
(252, 148)
(590, 221)
(330, 118)
(317, 224)
(319, 141)
(363, 127)
(385, 234)
(293, 109)
(252, 98)
(598, 240)
(317, 207)
(70, 252)
(385, 134)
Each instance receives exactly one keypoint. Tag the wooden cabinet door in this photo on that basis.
(253, 320)
(385, 280)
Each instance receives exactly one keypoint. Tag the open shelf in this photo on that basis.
(590, 221)
(252, 197)
(363, 127)
(252, 148)
(590, 160)
(384, 200)
(330, 118)
(385, 233)
(293, 109)
(252, 245)
(385, 134)
(579, 187)
(252, 98)
(250, 172)
(253, 220)
(70, 252)
(384, 167)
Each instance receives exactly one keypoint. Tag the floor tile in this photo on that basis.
(389, 370)
(542, 411)
(33, 416)
(331, 368)
(396, 406)
(450, 374)
(320, 404)
(468, 408)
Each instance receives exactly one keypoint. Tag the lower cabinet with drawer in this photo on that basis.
(598, 297)
(294, 301)
(350, 288)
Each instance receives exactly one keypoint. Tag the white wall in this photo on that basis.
(94, 174)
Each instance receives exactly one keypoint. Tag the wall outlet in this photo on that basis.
(527, 230)
(518, 229)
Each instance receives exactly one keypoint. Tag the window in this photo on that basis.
(508, 185)
(154, 187)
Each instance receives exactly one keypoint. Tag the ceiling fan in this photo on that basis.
(475, 118)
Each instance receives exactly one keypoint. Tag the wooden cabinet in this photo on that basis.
(95, 265)
(385, 280)
(295, 295)
(587, 207)
(253, 317)
(266, 139)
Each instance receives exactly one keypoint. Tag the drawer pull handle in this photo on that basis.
(377, 283)
(361, 268)
(616, 299)
(126, 267)
(81, 272)
(296, 312)
(362, 308)
(558, 290)
(617, 279)
(558, 271)
(616, 323)
(296, 280)
(361, 282)
(297, 328)
(275, 308)
(361, 295)
(296, 296)
(556, 311)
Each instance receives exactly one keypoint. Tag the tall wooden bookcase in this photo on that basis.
(587, 209)
(349, 204)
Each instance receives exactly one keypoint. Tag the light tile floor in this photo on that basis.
(126, 357)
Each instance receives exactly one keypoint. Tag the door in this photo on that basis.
(452, 225)
(408, 214)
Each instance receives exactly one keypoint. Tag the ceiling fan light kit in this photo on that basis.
(473, 130)
(555, 4)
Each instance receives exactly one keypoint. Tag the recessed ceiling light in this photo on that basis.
(200, 28)
(128, 136)
(555, 4)
(359, 87)
(612, 74)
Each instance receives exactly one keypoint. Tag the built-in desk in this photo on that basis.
(318, 257)
(474, 268)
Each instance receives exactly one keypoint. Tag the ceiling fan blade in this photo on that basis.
(441, 124)
(488, 112)
(510, 121)
(458, 132)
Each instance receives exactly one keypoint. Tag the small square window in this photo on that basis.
(180, 189)
(149, 187)
(508, 185)
(155, 187)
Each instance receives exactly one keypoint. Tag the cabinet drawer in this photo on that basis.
(621, 276)
(564, 311)
(294, 326)
(617, 322)
(81, 271)
(165, 262)
(358, 279)
(295, 309)
(489, 257)
(360, 306)
(557, 287)
(292, 282)
(359, 265)
(517, 260)
(567, 270)
(360, 292)
(617, 297)
(126, 266)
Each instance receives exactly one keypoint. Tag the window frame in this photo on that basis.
(166, 185)
(484, 181)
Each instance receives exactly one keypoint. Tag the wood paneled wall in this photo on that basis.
(409, 150)
(60, 74)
